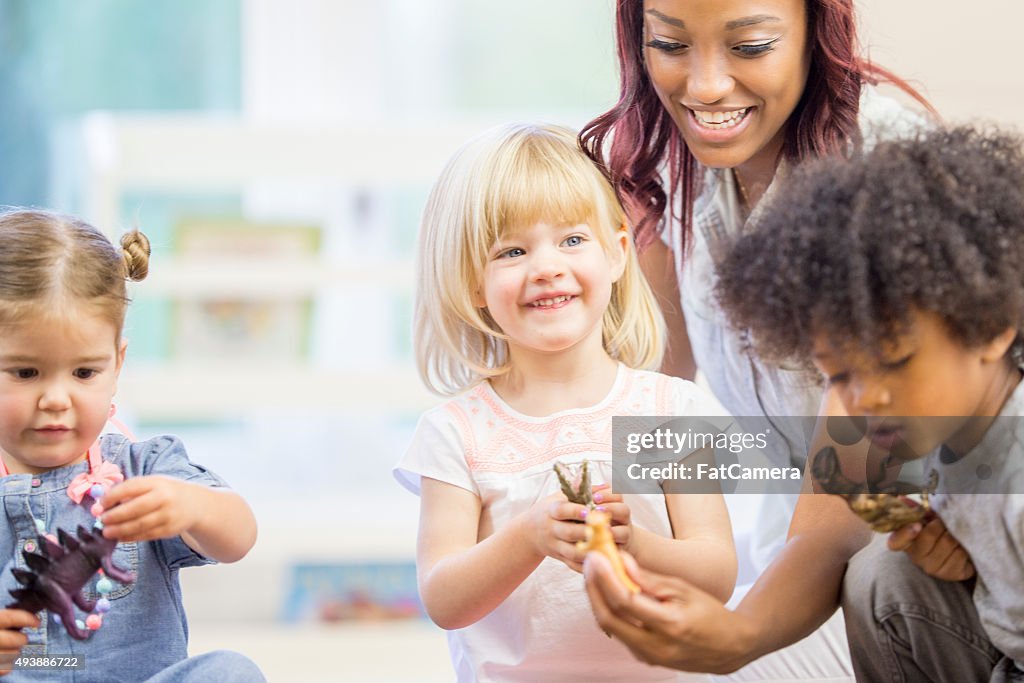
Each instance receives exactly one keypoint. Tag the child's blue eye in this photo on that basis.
(573, 241)
(511, 253)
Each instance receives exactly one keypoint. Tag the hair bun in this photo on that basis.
(135, 251)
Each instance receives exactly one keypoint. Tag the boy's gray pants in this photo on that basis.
(904, 626)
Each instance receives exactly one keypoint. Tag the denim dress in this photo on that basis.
(145, 631)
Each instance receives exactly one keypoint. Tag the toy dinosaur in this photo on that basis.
(598, 534)
(885, 507)
(61, 571)
(581, 494)
(599, 537)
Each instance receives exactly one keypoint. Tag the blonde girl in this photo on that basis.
(532, 314)
(62, 307)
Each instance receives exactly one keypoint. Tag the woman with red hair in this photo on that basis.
(719, 99)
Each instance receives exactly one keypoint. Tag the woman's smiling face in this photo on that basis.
(729, 72)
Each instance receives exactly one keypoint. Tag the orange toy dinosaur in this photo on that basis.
(599, 538)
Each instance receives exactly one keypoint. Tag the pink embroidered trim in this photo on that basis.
(577, 429)
(662, 400)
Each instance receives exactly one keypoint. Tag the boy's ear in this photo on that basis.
(999, 346)
(619, 254)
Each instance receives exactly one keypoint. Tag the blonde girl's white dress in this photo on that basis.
(545, 630)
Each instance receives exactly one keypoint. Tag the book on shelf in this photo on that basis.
(243, 328)
(352, 591)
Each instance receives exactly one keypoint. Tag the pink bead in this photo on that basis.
(96, 509)
(93, 622)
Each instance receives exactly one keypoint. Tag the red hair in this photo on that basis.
(644, 136)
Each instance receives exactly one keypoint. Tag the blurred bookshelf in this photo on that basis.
(361, 185)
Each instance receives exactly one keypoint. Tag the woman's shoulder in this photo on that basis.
(884, 118)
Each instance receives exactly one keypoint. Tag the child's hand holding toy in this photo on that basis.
(151, 508)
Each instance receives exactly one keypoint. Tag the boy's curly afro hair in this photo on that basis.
(848, 249)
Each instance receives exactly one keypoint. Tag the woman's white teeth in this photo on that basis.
(540, 303)
(719, 119)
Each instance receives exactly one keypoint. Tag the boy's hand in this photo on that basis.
(149, 508)
(11, 637)
(932, 548)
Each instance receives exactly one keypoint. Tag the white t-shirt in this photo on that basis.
(545, 629)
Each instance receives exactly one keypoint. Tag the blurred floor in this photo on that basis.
(412, 650)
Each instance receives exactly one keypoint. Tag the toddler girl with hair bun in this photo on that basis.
(62, 308)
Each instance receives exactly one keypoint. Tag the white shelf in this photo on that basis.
(218, 278)
(182, 152)
(206, 391)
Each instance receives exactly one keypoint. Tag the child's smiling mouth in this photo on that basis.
(548, 303)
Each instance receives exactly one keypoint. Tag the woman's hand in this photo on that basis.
(932, 548)
(671, 623)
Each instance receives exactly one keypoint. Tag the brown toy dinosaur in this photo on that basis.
(599, 538)
(885, 508)
(599, 523)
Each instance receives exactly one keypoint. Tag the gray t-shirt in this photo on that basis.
(985, 513)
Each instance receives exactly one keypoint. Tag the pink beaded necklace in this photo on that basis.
(94, 484)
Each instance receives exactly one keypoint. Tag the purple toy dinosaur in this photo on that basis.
(61, 571)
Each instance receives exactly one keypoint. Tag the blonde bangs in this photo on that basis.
(536, 189)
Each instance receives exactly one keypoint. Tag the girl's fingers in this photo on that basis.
(149, 527)
(565, 511)
(132, 509)
(606, 496)
(619, 512)
(569, 532)
(126, 490)
(17, 618)
(567, 553)
(621, 534)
